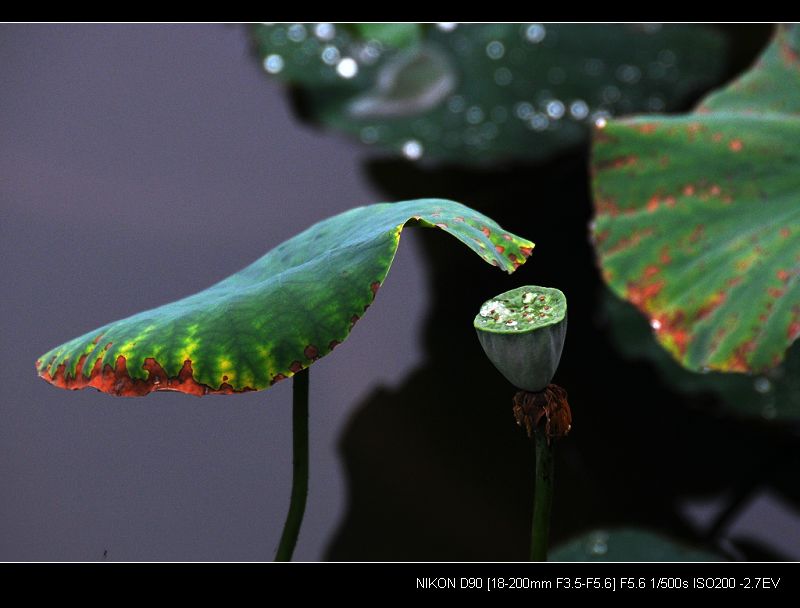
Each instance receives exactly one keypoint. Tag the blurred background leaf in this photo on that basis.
(478, 93)
(629, 545)
(697, 221)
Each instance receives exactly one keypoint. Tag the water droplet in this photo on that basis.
(651, 28)
(347, 68)
(273, 63)
(705, 370)
(656, 104)
(535, 32)
(330, 55)
(667, 57)
(370, 52)
(555, 109)
(446, 27)
(489, 130)
(523, 110)
(611, 94)
(762, 385)
(594, 67)
(296, 32)
(325, 31)
(629, 74)
(600, 118)
(579, 109)
(539, 122)
(408, 84)
(495, 49)
(412, 149)
(597, 544)
(503, 76)
(655, 324)
(456, 103)
(474, 115)
(369, 135)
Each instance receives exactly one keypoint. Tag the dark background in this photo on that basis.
(139, 164)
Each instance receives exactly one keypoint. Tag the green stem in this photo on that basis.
(543, 497)
(297, 505)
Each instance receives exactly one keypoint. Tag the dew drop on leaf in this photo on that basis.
(762, 385)
(597, 544)
(412, 82)
(412, 149)
(325, 31)
(535, 32)
(296, 32)
(579, 109)
(273, 64)
(555, 109)
(347, 68)
(330, 55)
(495, 49)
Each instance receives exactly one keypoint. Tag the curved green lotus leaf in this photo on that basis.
(698, 217)
(478, 93)
(629, 545)
(274, 317)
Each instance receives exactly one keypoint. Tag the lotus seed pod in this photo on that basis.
(522, 332)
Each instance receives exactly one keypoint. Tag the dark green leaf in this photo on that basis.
(485, 92)
(628, 545)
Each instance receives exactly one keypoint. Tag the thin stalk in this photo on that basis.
(297, 504)
(543, 496)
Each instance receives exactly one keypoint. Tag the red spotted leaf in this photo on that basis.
(274, 318)
(698, 217)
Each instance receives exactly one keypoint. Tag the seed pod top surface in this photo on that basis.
(522, 310)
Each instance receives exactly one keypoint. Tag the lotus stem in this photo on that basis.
(543, 496)
(297, 504)
(545, 416)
